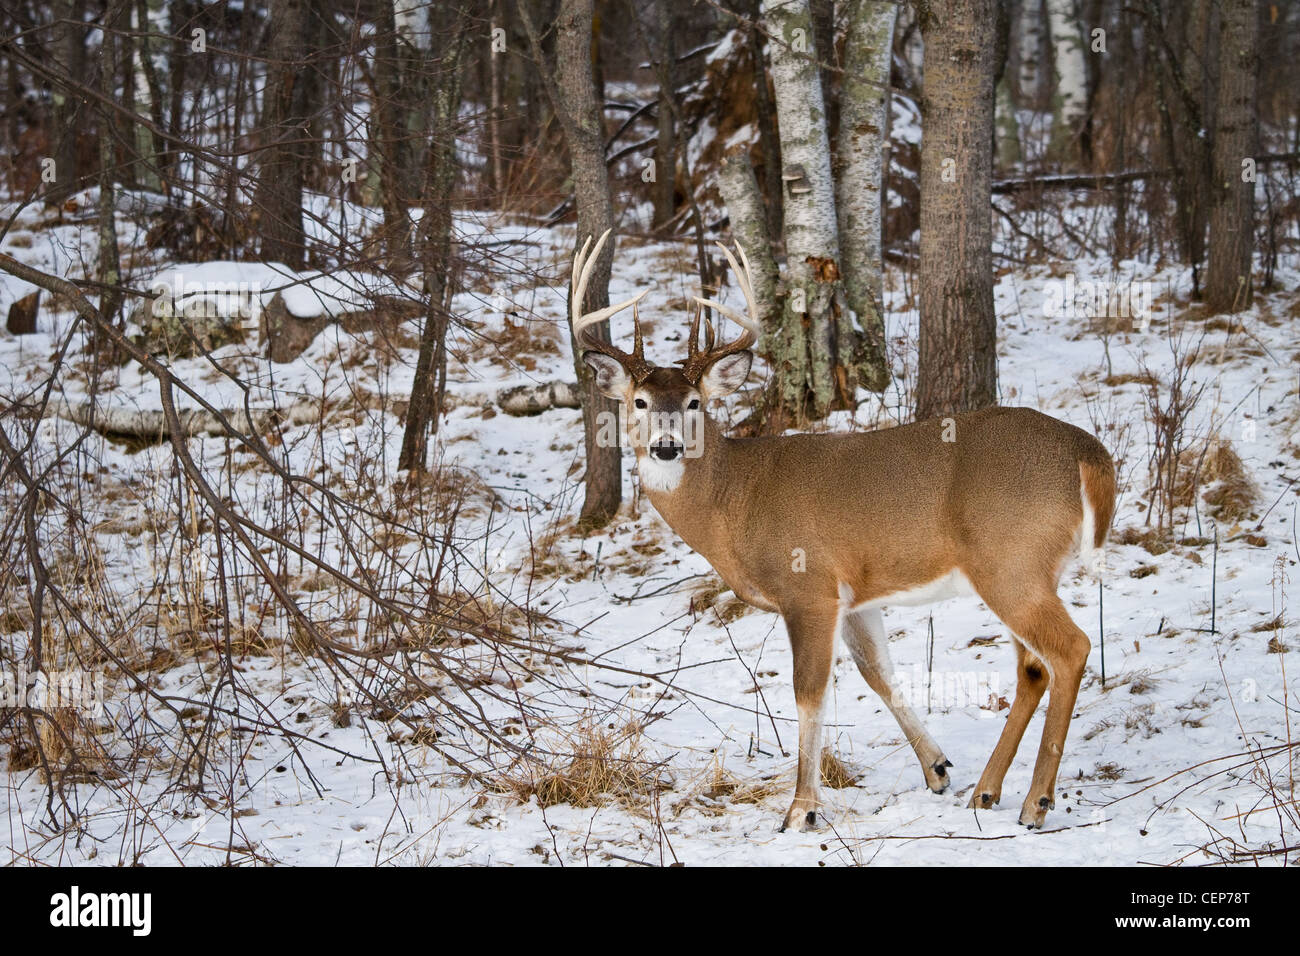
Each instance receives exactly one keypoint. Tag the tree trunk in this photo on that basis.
(435, 244)
(572, 88)
(664, 191)
(70, 47)
(146, 101)
(958, 334)
(863, 130)
(1070, 72)
(1029, 78)
(1232, 190)
(808, 380)
(1185, 68)
(748, 214)
(283, 158)
(387, 133)
(768, 141)
(110, 268)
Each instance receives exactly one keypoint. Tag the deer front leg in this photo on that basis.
(812, 645)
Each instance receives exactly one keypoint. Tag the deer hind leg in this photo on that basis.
(864, 633)
(1050, 635)
(812, 645)
(1031, 681)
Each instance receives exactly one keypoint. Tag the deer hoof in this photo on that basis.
(936, 775)
(1034, 812)
(984, 799)
(802, 820)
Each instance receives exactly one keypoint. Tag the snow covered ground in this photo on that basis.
(1182, 756)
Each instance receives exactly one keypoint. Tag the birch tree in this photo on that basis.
(1070, 73)
(1030, 76)
(818, 355)
(863, 132)
(958, 334)
(1232, 187)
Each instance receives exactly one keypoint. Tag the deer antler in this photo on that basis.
(698, 359)
(635, 362)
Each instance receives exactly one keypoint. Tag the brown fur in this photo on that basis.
(787, 521)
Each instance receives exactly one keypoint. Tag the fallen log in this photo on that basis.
(535, 399)
(147, 424)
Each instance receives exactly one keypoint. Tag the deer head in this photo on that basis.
(665, 407)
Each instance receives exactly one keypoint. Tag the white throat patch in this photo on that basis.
(659, 475)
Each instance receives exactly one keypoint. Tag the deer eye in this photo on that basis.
(693, 404)
(640, 403)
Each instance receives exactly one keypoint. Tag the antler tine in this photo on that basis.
(583, 264)
(698, 360)
(748, 323)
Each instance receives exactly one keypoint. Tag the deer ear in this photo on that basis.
(726, 374)
(611, 377)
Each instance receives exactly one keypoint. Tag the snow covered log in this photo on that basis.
(150, 425)
(535, 399)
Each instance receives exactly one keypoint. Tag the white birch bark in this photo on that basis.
(411, 18)
(1030, 77)
(864, 120)
(745, 206)
(143, 103)
(805, 341)
(1071, 72)
(805, 148)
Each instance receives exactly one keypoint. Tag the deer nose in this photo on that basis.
(666, 450)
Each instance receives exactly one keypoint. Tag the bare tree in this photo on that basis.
(1185, 65)
(958, 335)
(570, 84)
(451, 23)
(283, 157)
(1232, 188)
(69, 49)
(110, 268)
(1070, 73)
(665, 186)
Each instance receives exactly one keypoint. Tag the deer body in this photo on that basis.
(826, 529)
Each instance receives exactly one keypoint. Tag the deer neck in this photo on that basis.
(694, 500)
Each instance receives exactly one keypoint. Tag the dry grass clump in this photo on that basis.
(1147, 538)
(720, 789)
(1216, 468)
(597, 764)
(836, 774)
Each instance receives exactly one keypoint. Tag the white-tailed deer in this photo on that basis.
(826, 529)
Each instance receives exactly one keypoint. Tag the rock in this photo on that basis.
(22, 314)
(189, 327)
(287, 335)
